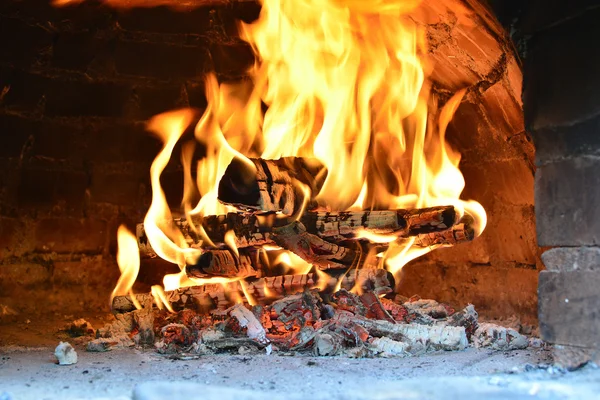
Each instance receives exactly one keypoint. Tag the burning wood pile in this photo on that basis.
(232, 246)
(311, 322)
(274, 216)
(346, 305)
(316, 180)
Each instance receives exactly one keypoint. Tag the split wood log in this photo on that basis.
(248, 231)
(272, 185)
(462, 232)
(252, 230)
(420, 338)
(248, 263)
(401, 223)
(313, 249)
(222, 296)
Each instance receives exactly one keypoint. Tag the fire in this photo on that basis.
(345, 82)
(128, 259)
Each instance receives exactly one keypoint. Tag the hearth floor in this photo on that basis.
(28, 371)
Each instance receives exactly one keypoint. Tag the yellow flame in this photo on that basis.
(294, 264)
(247, 294)
(324, 280)
(375, 237)
(234, 294)
(166, 240)
(359, 204)
(269, 293)
(268, 247)
(160, 298)
(400, 254)
(338, 284)
(128, 259)
(345, 82)
(230, 242)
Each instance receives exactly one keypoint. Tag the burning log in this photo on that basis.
(462, 232)
(401, 223)
(221, 296)
(227, 264)
(273, 185)
(313, 249)
(420, 338)
(252, 230)
(247, 230)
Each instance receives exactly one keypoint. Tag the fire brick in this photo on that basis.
(8, 230)
(83, 16)
(160, 60)
(120, 188)
(76, 51)
(156, 99)
(562, 79)
(568, 307)
(167, 20)
(70, 235)
(25, 51)
(15, 132)
(59, 140)
(116, 142)
(567, 194)
(86, 98)
(509, 182)
(232, 61)
(25, 90)
(46, 188)
(196, 94)
(557, 143)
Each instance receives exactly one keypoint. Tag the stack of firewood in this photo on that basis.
(349, 309)
(276, 209)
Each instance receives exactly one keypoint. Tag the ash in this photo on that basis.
(309, 323)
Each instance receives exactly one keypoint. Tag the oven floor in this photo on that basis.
(28, 371)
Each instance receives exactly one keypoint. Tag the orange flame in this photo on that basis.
(128, 259)
(345, 82)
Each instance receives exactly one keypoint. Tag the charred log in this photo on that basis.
(248, 231)
(272, 185)
(401, 223)
(253, 230)
(462, 232)
(222, 296)
(228, 264)
(313, 249)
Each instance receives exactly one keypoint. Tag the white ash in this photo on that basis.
(101, 345)
(343, 333)
(420, 338)
(387, 347)
(326, 345)
(80, 327)
(212, 340)
(428, 307)
(247, 320)
(144, 320)
(497, 337)
(65, 354)
(119, 330)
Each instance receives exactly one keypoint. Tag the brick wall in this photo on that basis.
(74, 153)
(562, 108)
